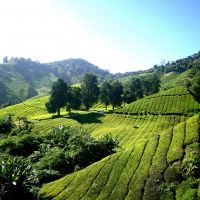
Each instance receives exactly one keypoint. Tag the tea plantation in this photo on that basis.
(158, 155)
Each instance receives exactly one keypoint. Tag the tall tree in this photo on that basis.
(74, 100)
(133, 90)
(115, 94)
(89, 90)
(59, 95)
(105, 93)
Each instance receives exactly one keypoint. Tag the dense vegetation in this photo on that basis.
(156, 132)
(22, 78)
(29, 159)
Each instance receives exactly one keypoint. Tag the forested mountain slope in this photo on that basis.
(21, 78)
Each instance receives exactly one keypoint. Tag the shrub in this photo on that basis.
(55, 159)
(26, 145)
(110, 143)
(6, 124)
(191, 161)
(13, 178)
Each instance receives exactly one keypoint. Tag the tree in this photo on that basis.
(133, 90)
(89, 90)
(115, 94)
(104, 93)
(195, 87)
(150, 84)
(59, 95)
(74, 100)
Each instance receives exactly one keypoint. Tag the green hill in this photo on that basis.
(21, 78)
(159, 141)
(158, 155)
(152, 155)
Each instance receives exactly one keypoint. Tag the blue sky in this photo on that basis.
(118, 35)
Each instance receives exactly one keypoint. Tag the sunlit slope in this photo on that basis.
(134, 172)
(32, 107)
(177, 100)
(173, 79)
(128, 129)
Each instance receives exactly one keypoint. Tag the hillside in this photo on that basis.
(21, 78)
(158, 135)
(154, 152)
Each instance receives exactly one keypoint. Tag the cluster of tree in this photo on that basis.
(177, 66)
(111, 92)
(63, 95)
(27, 160)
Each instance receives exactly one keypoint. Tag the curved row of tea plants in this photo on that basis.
(173, 101)
(138, 172)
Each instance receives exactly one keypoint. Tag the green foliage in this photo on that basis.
(173, 173)
(191, 161)
(115, 94)
(6, 124)
(54, 159)
(187, 190)
(75, 100)
(195, 87)
(109, 142)
(23, 146)
(58, 97)
(14, 172)
(133, 90)
(24, 78)
(111, 93)
(167, 191)
(89, 90)
(104, 93)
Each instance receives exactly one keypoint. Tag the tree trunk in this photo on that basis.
(58, 112)
(113, 107)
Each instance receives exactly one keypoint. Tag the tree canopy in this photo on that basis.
(58, 97)
(89, 90)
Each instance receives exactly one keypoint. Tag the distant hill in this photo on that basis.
(177, 73)
(21, 78)
(72, 70)
(158, 157)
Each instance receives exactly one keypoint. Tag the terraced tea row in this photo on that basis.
(174, 101)
(28, 108)
(129, 130)
(132, 173)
